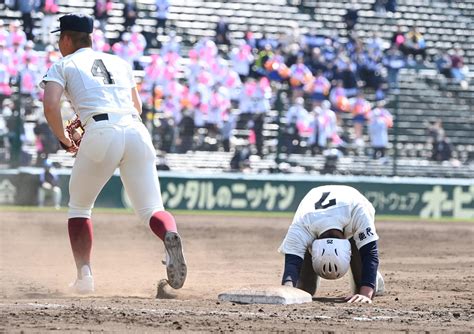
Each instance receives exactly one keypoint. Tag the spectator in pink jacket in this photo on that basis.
(49, 9)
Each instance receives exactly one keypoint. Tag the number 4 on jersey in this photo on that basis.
(319, 204)
(99, 70)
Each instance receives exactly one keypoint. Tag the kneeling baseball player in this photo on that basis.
(333, 230)
(102, 90)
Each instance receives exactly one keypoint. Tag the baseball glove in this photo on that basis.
(74, 131)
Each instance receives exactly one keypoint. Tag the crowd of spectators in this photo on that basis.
(195, 100)
(451, 65)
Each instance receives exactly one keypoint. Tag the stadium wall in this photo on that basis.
(423, 197)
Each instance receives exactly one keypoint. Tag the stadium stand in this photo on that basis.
(423, 94)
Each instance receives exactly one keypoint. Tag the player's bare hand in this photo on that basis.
(66, 141)
(68, 144)
(359, 299)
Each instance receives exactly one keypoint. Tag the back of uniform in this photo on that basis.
(102, 90)
(330, 207)
(99, 87)
(94, 82)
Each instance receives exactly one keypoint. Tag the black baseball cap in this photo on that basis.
(76, 22)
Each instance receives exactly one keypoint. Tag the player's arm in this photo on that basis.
(137, 101)
(294, 247)
(291, 273)
(370, 261)
(52, 111)
(365, 237)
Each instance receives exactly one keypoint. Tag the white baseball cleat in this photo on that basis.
(379, 285)
(175, 262)
(83, 286)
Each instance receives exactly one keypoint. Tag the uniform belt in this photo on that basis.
(101, 117)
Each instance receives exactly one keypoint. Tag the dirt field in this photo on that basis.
(428, 269)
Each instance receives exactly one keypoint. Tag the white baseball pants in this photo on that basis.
(121, 142)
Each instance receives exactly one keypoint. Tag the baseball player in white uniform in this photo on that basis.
(103, 93)
(333, 229)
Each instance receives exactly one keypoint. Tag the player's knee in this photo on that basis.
(308, 286)
(145, 214)
(78, 212)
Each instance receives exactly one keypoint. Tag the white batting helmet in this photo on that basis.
(331, 257)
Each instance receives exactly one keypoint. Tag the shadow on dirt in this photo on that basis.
(337, 300)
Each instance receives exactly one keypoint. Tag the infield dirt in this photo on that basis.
(428, 270)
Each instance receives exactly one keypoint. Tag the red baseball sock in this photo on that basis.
(162, 222)
(81, 235)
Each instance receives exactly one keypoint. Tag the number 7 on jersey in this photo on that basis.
(319, 204)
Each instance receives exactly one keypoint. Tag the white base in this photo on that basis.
(260, 294)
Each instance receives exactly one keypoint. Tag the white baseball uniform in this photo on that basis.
(98, 86)
(330, 207)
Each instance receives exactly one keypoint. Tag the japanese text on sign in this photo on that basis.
(393, 201)
(205, 195)
(437, 202)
